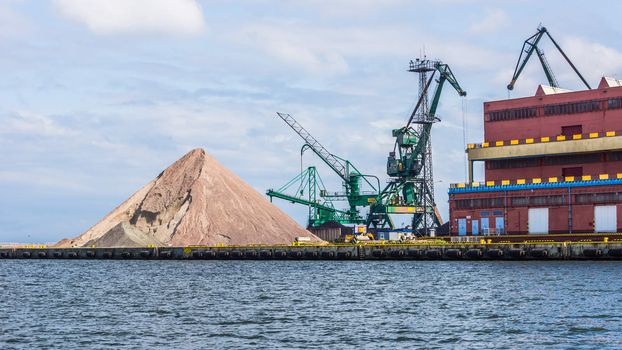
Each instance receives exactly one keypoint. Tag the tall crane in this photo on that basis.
(529, 47)
(353, 182)
(410, 189)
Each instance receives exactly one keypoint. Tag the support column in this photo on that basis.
(470, 171)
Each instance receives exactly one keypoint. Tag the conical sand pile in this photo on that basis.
(195, 201)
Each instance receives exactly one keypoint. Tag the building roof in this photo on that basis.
(550, 95)
(550, 90)
(606, 82)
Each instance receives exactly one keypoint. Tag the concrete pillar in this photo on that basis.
(470, 171)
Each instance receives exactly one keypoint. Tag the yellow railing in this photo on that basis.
(537, 180)
(543, 139)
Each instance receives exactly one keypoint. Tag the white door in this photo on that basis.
(462, 227)
(538, 220)
(485, 227)
(605, 218)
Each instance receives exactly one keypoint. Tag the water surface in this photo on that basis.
(106, 304)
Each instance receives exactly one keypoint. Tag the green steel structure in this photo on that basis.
(320, 206)
(309, 188)
(410, 186)
(409, 166)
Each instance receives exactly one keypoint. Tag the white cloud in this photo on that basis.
(494, 20)
(109, 17)
(592, 59)
(295, 46)
(30, 123)
(332, 50)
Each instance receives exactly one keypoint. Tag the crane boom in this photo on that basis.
(410, 189)
(529, 46)
(316, 146)
(446, 75)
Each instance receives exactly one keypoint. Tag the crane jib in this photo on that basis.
(315, 145)
(529, 46)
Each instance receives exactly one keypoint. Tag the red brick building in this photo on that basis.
(553, 164)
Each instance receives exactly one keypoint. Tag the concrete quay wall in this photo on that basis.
(464, 251)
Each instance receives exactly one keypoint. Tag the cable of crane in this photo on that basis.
(464, 134)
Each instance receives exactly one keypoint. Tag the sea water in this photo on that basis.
(104, 304)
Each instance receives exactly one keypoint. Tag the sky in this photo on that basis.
(97, 97)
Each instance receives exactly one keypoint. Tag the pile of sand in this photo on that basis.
(195, 201)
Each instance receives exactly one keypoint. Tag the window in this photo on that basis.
(572, 108)
(513, 163)
(563, 108)
(573, 159)
(512, 114)
(537, 201)
(574, 171)
(570, 130)
(614, 156)
(479, 203)
(598, 198)
(614, 103)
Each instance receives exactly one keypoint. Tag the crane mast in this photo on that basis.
(410, 189)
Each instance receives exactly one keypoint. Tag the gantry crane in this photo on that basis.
(529, 47)
(411, 186)
(321, 208)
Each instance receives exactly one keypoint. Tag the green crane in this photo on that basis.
(353, 183)
(410, 189)
(309, 188)
(529, 47)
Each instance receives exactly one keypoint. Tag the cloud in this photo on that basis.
(336, 49)
(110, 17)
(593, 60)
(30, 123)
(494, 20)
(296, 46)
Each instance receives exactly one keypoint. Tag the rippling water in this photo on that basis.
(309, 304)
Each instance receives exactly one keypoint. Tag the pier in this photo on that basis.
(399, 251)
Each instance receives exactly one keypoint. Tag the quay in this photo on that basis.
(433, 250)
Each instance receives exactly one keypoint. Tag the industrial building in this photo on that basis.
(552, 164)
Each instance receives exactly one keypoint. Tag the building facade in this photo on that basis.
(552, 164)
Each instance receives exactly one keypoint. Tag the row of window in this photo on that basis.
(555, 200)
(556, 160)
(572, 108)
(564, 108)
(479, 203)
(614, 103)
(511, 114)
(614, 156)
(537, 200)
(590, 198)
(493, 213)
